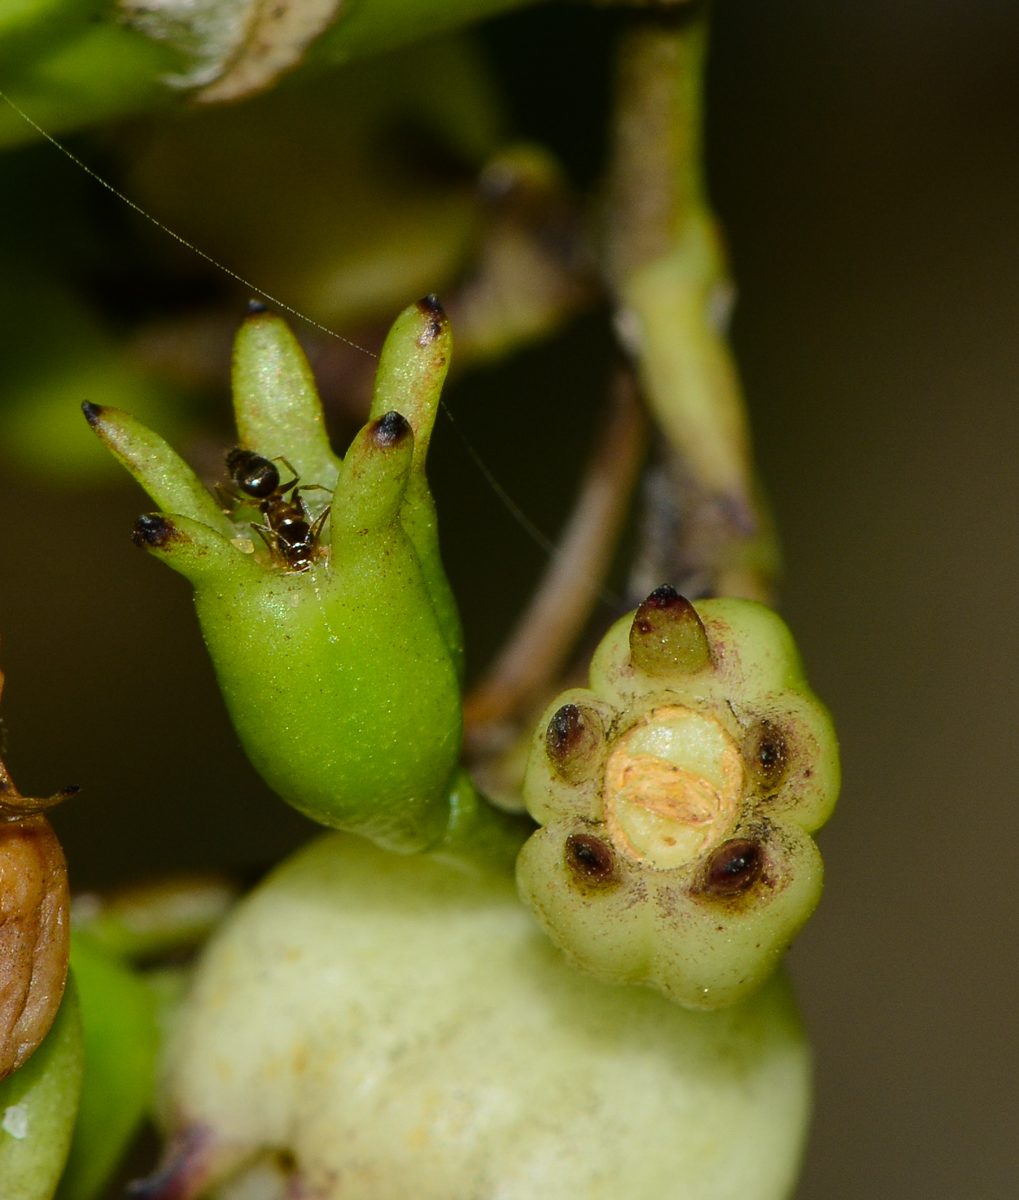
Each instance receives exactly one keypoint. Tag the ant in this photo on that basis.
(289, 532)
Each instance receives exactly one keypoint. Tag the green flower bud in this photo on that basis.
(37, 1108)
(676, 797)
(328, 617)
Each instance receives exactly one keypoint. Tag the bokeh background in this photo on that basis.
(864, 158)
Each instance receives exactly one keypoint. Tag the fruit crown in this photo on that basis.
(677, 795)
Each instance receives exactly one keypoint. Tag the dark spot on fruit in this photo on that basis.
(733, 868)
(93, 412)
(571, 739)
(590, 860)
(565, 731)
(766, 753)
(255, 307)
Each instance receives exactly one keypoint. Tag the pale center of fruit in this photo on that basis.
(672, 787)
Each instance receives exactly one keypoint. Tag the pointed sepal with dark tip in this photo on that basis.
(15, 807)
(160, 470)
(276, 402)
(195, 550)
(412, 369)
(667, 636)
(373, 478)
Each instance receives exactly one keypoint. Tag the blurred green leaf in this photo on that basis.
(121, 1036)
(37, 1108)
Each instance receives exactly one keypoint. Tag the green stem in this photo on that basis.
(665, 265)
(479, 834)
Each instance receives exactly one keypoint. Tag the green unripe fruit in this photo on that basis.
(330, 624)
(676, 797)
(37, 1109)
(368, 1026)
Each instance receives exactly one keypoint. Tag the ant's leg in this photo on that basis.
(298, 499)
(285, 487)
(268, 535)
(320, 520)
(228, 498)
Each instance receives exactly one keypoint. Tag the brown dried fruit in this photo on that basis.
(34, 922)
(34, 930)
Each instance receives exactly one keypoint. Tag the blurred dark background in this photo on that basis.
(864, 157)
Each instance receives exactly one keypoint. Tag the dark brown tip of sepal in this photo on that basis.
(430, 305)
(390, 428)
(667, 636)
(572, 740)
(732, 869)
(153, 532)
(431, 308)
(590, 861)
(93, 412)
(665, 596)
(15, 807)
(255, 308)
